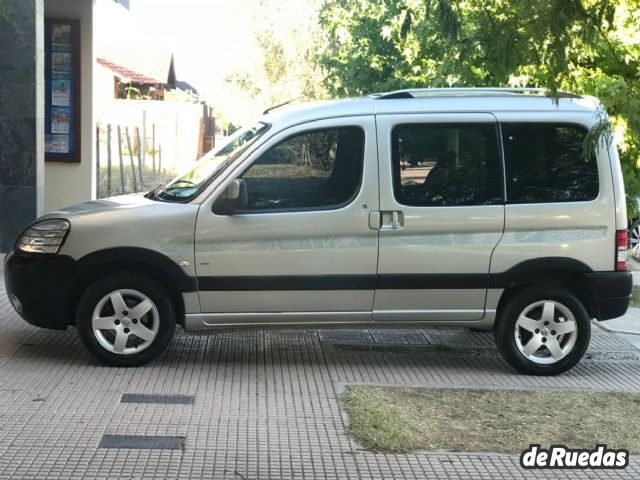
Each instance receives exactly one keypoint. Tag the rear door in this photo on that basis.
(441, 215)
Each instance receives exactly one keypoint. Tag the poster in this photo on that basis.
(56, 143)
(61, 93)
(61, 38)
(62, 80)
(60, 62)
(60, 120)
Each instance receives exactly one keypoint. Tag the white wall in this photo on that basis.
(69, 183)
(177, 125)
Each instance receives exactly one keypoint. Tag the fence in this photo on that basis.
(140, 144)
(123, 167)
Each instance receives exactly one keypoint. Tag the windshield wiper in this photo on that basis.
(153, 194)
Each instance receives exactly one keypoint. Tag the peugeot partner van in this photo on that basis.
(418, 208)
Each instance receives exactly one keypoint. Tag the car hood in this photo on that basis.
(104, 205)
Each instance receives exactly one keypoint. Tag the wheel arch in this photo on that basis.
(564, 272)
(155, 265)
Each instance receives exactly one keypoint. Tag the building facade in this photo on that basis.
(31, 182)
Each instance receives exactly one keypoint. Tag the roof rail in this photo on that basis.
(444, 92)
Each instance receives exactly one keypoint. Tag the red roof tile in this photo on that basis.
(128, 73)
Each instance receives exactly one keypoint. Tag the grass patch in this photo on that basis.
(400, 420)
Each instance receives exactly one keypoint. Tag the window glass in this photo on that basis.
(209, 167)
(316, 169)
(446, 164)
(545, 163)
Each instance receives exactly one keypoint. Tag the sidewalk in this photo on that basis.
(628, 326)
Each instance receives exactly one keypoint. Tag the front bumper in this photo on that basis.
(43, 284)
(612, 293)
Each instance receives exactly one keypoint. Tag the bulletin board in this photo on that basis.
(62, 90)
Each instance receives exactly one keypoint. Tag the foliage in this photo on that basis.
(586, 46)
(130, 91)
(287, 34)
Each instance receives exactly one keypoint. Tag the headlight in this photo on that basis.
(44, 237)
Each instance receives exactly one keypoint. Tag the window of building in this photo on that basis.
(319, 169)
(446, 165)
(545, 163)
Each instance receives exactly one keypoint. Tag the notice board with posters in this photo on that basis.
(62, 90)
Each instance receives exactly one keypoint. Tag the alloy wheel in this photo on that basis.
(546, 332)
(125, 321)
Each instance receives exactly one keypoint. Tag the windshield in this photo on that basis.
(187, 186)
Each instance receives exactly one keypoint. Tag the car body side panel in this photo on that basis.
(584, 231)
(312, 260)
(450, 245)
(618, 187)
(132, 221)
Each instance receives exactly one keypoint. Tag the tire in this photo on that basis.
(634, 241)
(528, 348)
(108, 323)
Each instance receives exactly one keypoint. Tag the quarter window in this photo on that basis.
(319, 169)
(545, 163)
(446, 165)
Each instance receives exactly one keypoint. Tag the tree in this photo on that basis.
(586, 46)
(287, 34)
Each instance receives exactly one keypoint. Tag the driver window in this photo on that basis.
(319, 169)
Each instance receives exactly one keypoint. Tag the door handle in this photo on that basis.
(391, 220)
(374, 220)
(395, 219)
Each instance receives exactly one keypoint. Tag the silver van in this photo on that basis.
(418, 208)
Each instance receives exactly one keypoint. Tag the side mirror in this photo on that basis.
(234, 198)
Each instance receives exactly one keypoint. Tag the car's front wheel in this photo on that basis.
(126, 319)
(543, 330)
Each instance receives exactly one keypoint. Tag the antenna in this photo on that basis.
(280, 105)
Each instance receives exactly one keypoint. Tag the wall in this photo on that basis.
(69, 183)
(21, 116)
(177, 125)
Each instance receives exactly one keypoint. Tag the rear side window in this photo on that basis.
(545, 163)
(440, 165)
(319, 169)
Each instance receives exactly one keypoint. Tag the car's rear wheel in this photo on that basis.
(126, 319)
(543, 330)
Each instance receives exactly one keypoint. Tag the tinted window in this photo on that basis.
(446, 165)
(316, 169)
(544, 163)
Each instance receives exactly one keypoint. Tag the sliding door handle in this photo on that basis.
(392, 220)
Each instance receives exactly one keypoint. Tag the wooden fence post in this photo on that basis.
(153, 146)
(144, 137)
(133, 165)
(121, 160)
(108, 160)
(98, 160)
(137, 134)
